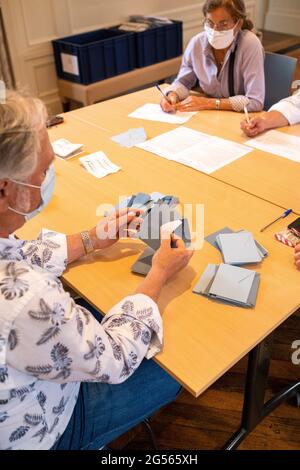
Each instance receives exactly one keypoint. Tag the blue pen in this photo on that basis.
(160, 90)
(283, 216)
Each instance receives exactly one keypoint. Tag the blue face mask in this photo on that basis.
(46, 189)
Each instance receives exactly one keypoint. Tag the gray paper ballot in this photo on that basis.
(237, 248)
(158, 216)
(144, 263)
(229, 284)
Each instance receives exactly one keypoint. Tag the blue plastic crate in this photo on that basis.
(159, 43)
(90, 57)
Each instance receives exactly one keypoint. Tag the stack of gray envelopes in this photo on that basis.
(228, 282)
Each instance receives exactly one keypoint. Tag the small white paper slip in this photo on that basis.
(69, 63)
(153, 112)
(170, 227)
(98, 164)
(172, 143)
(65, 149)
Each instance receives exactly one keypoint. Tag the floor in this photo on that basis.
(279, 42)
(207, 422)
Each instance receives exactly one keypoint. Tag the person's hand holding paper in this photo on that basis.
(167, 261)
(194, 103)
(117, 225)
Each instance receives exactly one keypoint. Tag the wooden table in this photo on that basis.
(200, 336)
(202, 339)
(89, 94)
(262, 174)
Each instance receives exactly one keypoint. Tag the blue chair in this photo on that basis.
(279, 71)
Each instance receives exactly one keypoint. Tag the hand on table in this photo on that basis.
(194, 103)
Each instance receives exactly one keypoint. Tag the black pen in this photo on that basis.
(165, 96)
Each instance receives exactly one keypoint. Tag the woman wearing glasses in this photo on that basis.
(227, 59)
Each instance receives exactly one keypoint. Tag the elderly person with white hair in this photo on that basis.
(62, 372)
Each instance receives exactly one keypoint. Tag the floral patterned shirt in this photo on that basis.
(49, 344)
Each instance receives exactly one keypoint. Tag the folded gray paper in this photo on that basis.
(229, 284)
(238, 248)
(214, 240)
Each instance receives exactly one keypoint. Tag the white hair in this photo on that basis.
(21, 119)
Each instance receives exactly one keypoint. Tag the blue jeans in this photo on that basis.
(104, 412)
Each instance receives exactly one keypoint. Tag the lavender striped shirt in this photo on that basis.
(249, 80)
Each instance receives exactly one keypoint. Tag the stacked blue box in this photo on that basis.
(90, 57)
(94, 56)
(159, 43)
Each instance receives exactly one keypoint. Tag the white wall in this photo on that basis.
(283, 16)
(32, 24)
(261, 9)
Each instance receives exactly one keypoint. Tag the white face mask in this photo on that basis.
(46, 189)
(219, 39)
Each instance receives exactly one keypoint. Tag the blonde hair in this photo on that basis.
(21, 119)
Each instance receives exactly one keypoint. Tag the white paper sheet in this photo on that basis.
(170, 144)
(63, 148)
(170, 227)
(278, 143)
(212, 156)
(153, 112)
(98, 164)
(195, 149)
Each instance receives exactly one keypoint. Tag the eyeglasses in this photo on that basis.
(222, 26)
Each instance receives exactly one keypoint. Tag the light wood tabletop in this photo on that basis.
(202, 338)
(265, 175)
